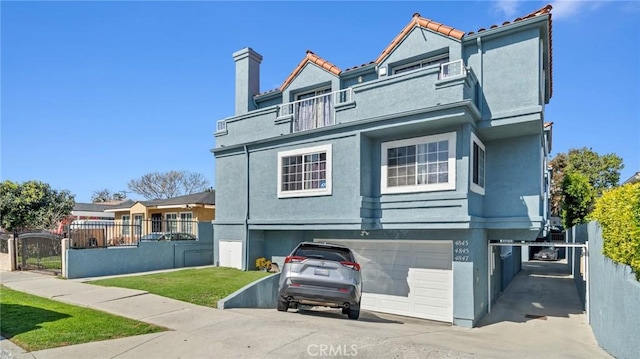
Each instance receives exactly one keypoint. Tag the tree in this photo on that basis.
(602, 172)
(158, 185)
(105, 195)
(618, 212)
(33, 205)
(578, 196)
(558, 165)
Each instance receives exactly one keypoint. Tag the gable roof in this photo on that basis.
(206, 198)
(418, 21)
(310, 57)
(101, 207)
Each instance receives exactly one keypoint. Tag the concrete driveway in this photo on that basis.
(528, 321)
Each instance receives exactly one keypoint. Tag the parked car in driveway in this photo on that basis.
(321, 274)
(168, 236)
(547, 254)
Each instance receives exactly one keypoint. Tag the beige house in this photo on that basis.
(177, 214)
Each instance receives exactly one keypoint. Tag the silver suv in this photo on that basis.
(321, 274)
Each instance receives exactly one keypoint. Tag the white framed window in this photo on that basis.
(439, 59)
(477, 161)
(304, 172)
(137, 220)
(171, 219)
(126, 221)
(419, 164)
(186, 222)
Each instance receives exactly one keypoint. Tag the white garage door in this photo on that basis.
(406, 277)
(230, 254)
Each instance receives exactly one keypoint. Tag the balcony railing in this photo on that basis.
(221, 126)
(315, 112)
(452, 69)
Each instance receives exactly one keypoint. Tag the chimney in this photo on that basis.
(247, 79)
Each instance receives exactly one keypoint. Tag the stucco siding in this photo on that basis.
(231, 187)
(342, 205)
(513, 178)
(420, 42)
(311, 77)
(510, 72)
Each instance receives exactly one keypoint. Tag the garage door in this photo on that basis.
(405, 277)
(230, 254)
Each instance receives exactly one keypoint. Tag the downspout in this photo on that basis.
(480, 98)
(246, 216)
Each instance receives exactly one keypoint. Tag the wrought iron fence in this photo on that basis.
(102, 235)
(124, 233)
(168, 226)
(4, 242)
(39, 251)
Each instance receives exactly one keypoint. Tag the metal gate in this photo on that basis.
(39, 251)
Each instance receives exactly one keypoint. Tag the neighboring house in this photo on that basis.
(633, 179)
(177, 214)
(417, 161)
(97, 210)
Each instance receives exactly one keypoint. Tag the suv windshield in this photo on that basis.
(324, 252)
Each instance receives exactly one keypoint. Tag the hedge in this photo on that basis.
(618, 212)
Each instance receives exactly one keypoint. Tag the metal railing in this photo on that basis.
(102, 235)
(221, 126)
(119, 233)
(452, 69)
(4, 242)
(315, 112)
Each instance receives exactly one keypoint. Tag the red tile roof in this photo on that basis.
(418, 20)
(315, 59)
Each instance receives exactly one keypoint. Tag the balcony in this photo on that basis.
(314, 112)
(447, 85)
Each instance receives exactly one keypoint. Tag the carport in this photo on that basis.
(581, 248)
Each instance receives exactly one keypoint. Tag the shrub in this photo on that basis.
(263, 263)
(618, 212)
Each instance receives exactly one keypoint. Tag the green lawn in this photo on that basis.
(202, 286)
(37, 323)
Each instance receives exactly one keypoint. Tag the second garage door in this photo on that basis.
(406, 277)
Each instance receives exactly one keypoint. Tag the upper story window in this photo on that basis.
(440, 59)
(419, 164)
(304, 172)
(477, 165)
(313, 109)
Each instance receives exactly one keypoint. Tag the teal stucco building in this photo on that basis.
(417, 161)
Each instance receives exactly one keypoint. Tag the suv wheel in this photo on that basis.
(283, 305)
(354, 312)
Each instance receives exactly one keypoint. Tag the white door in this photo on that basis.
(406, 277)
(230, 254)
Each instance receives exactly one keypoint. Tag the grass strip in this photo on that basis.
(36, 323)
(201, 286)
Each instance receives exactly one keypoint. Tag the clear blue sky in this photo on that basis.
(95, 94)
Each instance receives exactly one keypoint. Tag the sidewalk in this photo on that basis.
(559, 328)
(180, 317)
